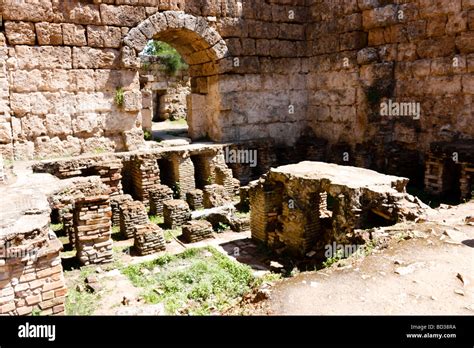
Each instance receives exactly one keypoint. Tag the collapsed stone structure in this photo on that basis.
(289, 210)
(195, 231)
(31, 273)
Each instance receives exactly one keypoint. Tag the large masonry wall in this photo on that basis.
(65, 60)
(365, 53)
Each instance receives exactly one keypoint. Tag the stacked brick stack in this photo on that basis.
(186, 174)
(224, 178)
(115, 203)
(2, 170)
(132, 213)
(215, 196)
(149, 239)
(92, 227)
(197, 230)
(157, 195)
(195, 199)
(176, 213)
(241, 224)
(31, 273)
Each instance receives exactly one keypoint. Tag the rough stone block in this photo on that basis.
(132, 100)
(74, 35)
(104, 36)
(49, 33)
(20, 33)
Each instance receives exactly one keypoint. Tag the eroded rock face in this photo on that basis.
(290, 208)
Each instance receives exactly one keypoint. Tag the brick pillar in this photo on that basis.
(92, 227)
(434, 173)
(185, 174)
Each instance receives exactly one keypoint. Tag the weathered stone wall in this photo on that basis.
(367, 52)
(65, 60)
(164, 94)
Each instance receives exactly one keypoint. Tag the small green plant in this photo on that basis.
(209, 180)
(222, 227)
(177, 190)
(99, 150)
(36, 312)
(148, 135)
(119, 96)
(57, 227)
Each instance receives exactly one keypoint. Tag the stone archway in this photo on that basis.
(201, 46)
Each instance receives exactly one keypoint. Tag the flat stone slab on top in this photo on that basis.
(352, 177)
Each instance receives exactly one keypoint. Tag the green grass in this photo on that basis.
(84, 302)
(195, 282)
(168, 56)
(243, 215)
(158, 220)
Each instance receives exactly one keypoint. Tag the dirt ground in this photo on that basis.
(427, 269)
(430, 274)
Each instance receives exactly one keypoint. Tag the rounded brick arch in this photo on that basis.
(200, 45)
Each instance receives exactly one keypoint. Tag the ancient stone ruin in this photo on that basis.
(316, 118)
(289, 206)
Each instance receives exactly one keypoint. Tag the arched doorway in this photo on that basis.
(201, 47)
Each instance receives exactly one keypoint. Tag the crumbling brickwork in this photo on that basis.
(93, 224)
(132, 213)
(115, 204)
(148, 239)
(287, 209)
(158, 195)
(176, 213)
(215, 196)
